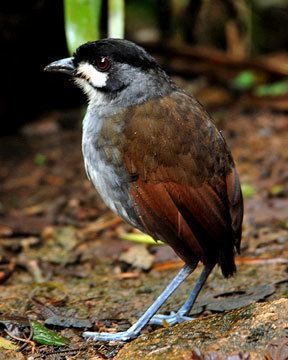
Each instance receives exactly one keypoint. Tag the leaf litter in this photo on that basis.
(62, 247)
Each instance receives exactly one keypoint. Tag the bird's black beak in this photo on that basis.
(65, 66)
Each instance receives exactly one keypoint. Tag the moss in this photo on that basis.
(229, 332)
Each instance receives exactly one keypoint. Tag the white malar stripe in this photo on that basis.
(94, 97)
(95, 77)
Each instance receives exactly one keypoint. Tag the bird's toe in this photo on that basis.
(120, 336)
(171, 319)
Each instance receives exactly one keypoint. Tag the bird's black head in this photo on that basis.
(110, 66)
(115, 51)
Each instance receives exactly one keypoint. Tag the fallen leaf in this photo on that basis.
(233, 300)
(141, 238)
(45, 336)
(46, 311)
(52, 316)
(248, 190)
(138, 256)
(7, 344)
(27, 225)
(59, 247)
(14, 324)
(68, 322)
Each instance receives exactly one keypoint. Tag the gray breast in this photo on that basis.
(104, 167)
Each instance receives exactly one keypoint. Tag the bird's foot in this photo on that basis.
(172, 319)
(102, 336)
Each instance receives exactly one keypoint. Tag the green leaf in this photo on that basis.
(45, 336)
(276, 89)
(116, 18)
(248, 190)
(7, 344)
(140, 238)
(40, 159)
(245, 80)
(82, 22)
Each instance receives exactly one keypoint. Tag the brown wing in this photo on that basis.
(186, 189)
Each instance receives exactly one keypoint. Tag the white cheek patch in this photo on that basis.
(85, 86)
(96, 78)
(94, 96)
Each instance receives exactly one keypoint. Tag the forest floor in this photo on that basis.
(63, 262)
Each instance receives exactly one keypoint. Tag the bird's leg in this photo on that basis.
(187, 306)
(182, 314)
(135, 329)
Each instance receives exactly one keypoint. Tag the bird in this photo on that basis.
(156, 158)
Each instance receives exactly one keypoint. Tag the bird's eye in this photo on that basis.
(103, 64)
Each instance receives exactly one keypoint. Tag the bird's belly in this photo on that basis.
(111, 183)
(107, 183)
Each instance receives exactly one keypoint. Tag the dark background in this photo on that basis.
(32, 35)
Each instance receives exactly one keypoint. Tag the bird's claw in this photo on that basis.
(172, 319)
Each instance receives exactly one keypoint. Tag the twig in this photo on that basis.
(35, 270)
(127, 275)
(61, 351)
(101, 225)
(167, 265)
(259, 261)
(26, 341)
(216, 57)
